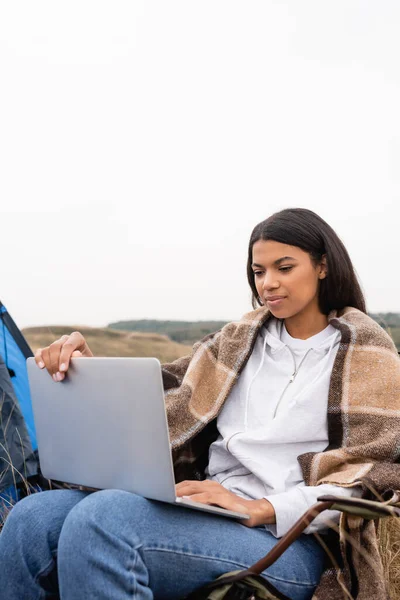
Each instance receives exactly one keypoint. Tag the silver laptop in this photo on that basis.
(105, 427)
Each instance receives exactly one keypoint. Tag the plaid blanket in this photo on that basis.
(363, 425)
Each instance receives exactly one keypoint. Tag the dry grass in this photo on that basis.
(110, 342)
(389, 544)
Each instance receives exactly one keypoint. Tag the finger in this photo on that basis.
(73, 343)
(203, 497)
(64, 366)
(182, 483)
(39, 358)
(46, 358)
(190, 487)
(54, 353)
(217, 500)
(197, 482)
(229, 502)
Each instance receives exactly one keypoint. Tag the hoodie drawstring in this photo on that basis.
(251, 382)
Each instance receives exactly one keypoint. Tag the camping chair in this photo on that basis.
(249, 585)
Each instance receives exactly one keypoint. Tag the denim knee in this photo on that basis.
(99, 516)
(99, 550)
(25, 517)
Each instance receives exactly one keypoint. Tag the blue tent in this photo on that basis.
(18, 446)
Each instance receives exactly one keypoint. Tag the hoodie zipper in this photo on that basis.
(292, 378)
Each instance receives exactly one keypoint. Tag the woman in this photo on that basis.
(258, 424)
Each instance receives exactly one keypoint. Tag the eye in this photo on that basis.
(257, 273)
(286, 269)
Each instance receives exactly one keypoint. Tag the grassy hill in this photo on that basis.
(184, 332)
(390, 322)
(107, 342)
(387, 319)
(166, 340)
(188, 332)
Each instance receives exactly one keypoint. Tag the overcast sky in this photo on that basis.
(140, 142)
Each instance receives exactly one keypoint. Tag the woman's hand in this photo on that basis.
(57, 356)
(210, 492)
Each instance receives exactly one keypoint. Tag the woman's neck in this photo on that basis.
(303, 327)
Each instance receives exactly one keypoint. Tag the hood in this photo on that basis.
(274, 333)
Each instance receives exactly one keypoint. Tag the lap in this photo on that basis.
(180, 544)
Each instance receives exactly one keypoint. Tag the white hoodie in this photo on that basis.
(276, 411)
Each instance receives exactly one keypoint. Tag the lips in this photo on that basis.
(275, 301)
(273, 298)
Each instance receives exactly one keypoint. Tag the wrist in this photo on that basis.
(264, 512)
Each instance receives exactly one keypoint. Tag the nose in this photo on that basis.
(270, 282)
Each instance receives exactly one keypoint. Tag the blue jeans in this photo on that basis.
(113, 545)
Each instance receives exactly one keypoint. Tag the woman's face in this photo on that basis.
(286, 279)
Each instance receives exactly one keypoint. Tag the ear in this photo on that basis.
(323, 268)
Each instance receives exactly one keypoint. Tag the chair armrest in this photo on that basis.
(367, 509)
